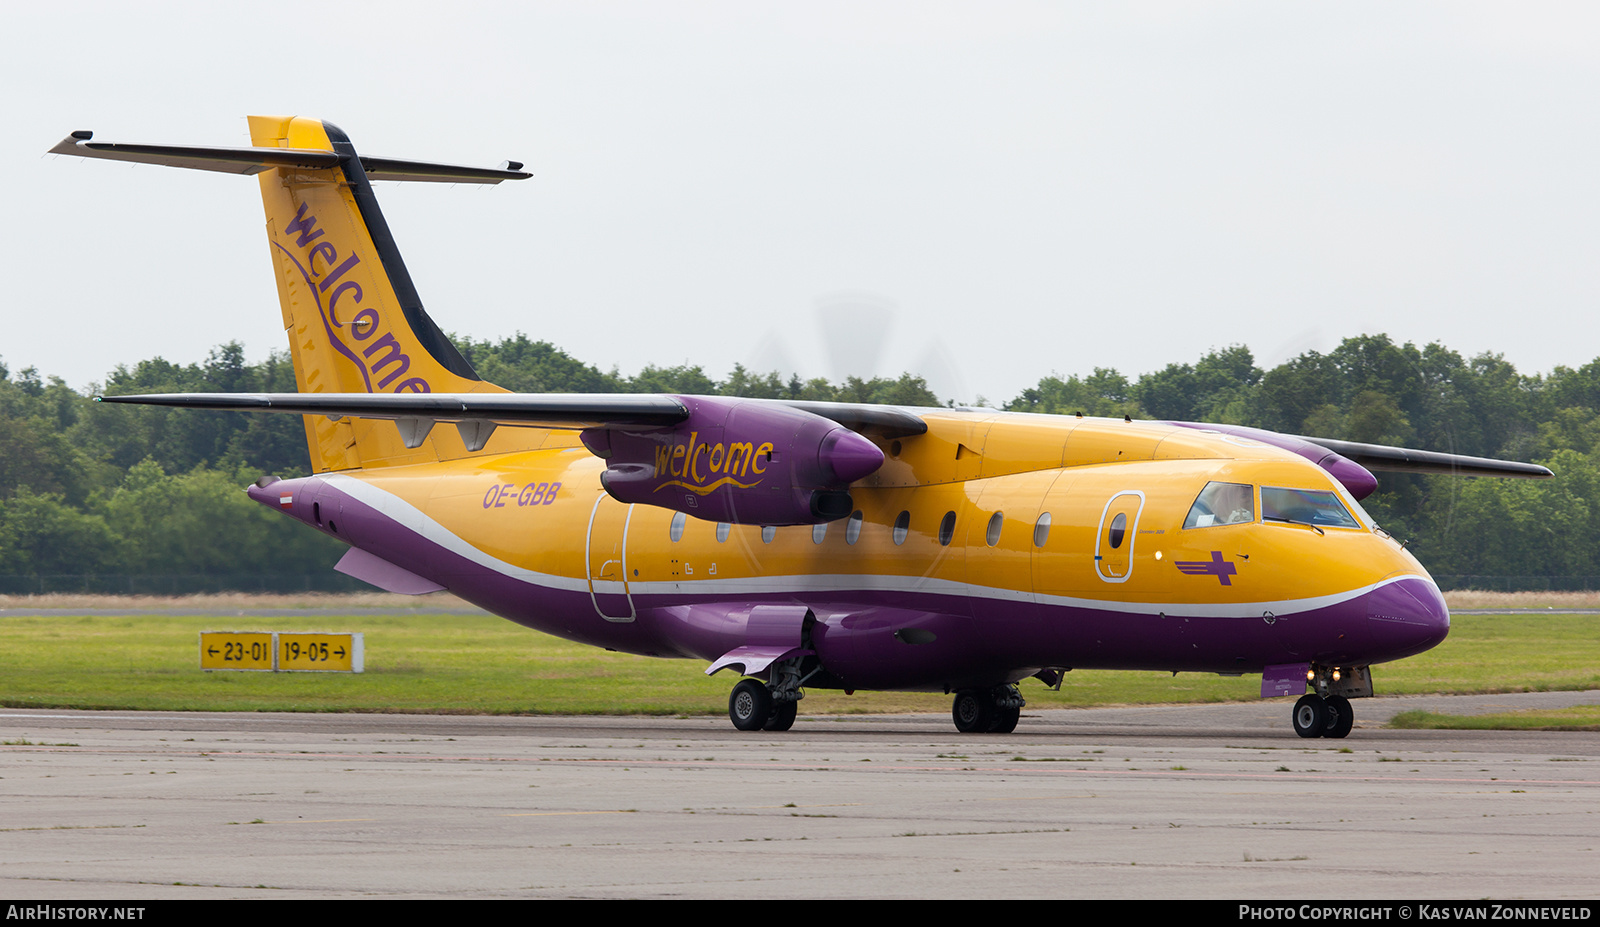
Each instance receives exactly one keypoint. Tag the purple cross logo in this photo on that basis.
(1216, 566)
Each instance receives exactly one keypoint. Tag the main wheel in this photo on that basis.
(972, 712)
(782, 717)
(1005, 720)
(750, 705)
(1310, 716)
(1340, 717)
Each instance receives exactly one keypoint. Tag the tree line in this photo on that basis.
(128, 494)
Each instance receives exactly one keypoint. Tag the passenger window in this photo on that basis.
(947, 529)
(722, 531)
(818, 532)
(768, 533)
(902, 527)
(676, 531)
(995, 522)
(1041, 530)
(852, 528)
(1222, 504)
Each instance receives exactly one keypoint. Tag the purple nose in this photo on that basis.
(1406, 617)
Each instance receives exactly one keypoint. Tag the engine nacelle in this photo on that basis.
(740, 461)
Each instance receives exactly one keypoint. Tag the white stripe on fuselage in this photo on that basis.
(413, 519)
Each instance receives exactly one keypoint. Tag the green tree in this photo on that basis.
(42, 533)
(525, 366)
(1106, 392)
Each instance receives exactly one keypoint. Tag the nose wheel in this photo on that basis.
(1315, 716)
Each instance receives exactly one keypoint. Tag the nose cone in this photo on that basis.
(1406, 617)
(848, 456)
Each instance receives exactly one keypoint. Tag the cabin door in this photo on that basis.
(1119, 525)
(605, 549)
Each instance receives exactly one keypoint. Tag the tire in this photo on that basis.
(782, 717)
(750, 705)
(1310, 717)
(1340, 717)
(1005, 720)
(972, 712)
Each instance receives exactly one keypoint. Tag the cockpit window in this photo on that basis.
(1222, 504)
(1305, 506)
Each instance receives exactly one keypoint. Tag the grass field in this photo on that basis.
(1576, 718)
(462, 661)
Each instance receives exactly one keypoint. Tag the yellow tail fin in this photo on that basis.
(354, 321)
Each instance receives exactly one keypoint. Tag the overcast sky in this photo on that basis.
(984, 193)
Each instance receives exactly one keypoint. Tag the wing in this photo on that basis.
(531, 410)
(749, 461)
(1407, 460)
(600, 416)
(1352, 463)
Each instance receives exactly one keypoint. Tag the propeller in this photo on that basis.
(858, 334)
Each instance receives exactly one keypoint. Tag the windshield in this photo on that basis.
(1222, 504)
(1307, 506)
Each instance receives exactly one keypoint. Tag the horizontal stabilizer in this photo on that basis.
(256, 160)
(395, 169)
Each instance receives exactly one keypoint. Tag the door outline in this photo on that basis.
(589, 565)
(1132, 533)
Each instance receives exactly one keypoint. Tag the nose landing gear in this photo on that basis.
(1327, 712)
(1315, 716)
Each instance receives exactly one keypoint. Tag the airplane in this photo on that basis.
(806, 544)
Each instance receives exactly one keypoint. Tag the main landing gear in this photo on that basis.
(987, 711)
(756, 706)
(752, 708)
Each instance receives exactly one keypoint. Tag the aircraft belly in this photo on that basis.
(865, 639)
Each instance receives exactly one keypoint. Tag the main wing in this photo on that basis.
(748, 461)
(600, 415)
(1352, 463)
(532, 410)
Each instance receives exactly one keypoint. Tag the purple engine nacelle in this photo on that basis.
(738, 460)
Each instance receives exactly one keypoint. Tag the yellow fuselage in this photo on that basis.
(531, 535)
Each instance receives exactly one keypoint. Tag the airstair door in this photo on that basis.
(605, 549)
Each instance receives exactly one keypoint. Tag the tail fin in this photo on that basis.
(354, 321)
